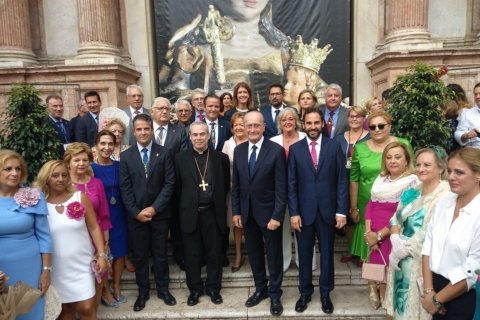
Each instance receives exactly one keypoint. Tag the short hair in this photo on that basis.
(46, 173)
(6, 154)
(386, 93)
(235, 93)
(235, 116)
(113, 121)
(311, 77)
(210, 96)
(142, 117)
(53, 96)
(335, 86)
(276, 85)
(380, 113)
(75, 149)
(92, 94)
(470, 156)
(357, 109)
(439, 158)
(313, 110)
(132, 86)
(222, 107)
(283, 113)
(476, 86)
(161, 99)
(80, 102)
(369, 103)
(104, 133)
(397, 144)
(198, 90)
(199, 123)
(184, 102)
(314, 97)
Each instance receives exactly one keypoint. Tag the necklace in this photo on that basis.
(203, 184)
(84, 185)
(390, 180)
(112, 199)
(353, 145)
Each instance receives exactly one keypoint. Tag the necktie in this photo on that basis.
(212, 133)
(160, 135)
(201, 117)
(276, 116)
(136, 112)
(252, 160)
(145, 160)
(314, 155)
(62, 128)
(330, 124)
(96, 121)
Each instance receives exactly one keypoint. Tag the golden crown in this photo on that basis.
(307, 55)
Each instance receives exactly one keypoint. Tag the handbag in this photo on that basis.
(375, 272)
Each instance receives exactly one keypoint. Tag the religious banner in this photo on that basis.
(214, 44)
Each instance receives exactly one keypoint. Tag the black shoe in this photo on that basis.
(167, 298)
(193, 299)
(141, 302)
(340, 232)
(302, 303)
(327, 305)
(226, 262)
(216, 297)
(276, 308)
(256, 298)
(181, 264)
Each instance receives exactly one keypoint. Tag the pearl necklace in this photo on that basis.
(388, 178)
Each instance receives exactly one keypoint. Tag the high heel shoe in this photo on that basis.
(113, 304)
(346, 259)
(373, 298)
(235, 269)
(120, 299)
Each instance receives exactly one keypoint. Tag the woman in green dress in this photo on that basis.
(408, 228)
(366, 166)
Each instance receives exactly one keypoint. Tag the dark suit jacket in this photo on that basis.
(342, 122)
(131, 137)
(86, 129)
(176, 139)
(271, 129)
(73, 124)
(224, 133)
(186, 186)
(324, 190)
(137, 191)
(63, 139)
(266, 189)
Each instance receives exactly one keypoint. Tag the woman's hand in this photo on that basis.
(102, 265)
(427, 303)
(355, 215)
(375, 247)
(44, 282)
(371, 238)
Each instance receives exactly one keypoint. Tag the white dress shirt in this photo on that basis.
(274, 115)
(216, 131)
(156, 132)
(454, 248)
(259, 146)
(149, 150)
(132, 111)
(469, 119)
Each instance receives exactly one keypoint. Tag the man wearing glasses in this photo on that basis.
(198, 95)
(270, 114)
(335, 116)
(135, 107)
(183, 110)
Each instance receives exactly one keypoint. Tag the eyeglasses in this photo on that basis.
(162, 109)
(355, 117)
(136, 95)
(275, 94)
(198, 99)
(380, 126)
(115, 131)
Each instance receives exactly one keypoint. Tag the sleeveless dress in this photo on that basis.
(24, 235)
(72, 275)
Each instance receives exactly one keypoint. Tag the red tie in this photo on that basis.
(314, 155)
(330, 124)
(136, 112)
(201, 117)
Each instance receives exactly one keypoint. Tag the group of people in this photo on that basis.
(316, 171)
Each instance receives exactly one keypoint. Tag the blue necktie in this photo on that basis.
(62, 128)
(253, 159)
(145, 159)
(276, 116)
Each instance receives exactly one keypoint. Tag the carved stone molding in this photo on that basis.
(407, 21)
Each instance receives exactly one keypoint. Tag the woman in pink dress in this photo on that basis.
(397, 175)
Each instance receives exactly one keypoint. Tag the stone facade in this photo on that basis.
(100, 45)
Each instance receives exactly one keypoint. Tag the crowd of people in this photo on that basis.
(125, 185)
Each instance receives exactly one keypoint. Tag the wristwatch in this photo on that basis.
(437, 304)
(379, 236)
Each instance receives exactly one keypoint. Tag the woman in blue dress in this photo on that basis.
(24, 233)
(108, 172)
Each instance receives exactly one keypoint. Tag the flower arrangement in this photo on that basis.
(103, 126)
(76, 210)
(27, 197)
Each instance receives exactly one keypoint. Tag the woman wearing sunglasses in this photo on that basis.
(366, 166)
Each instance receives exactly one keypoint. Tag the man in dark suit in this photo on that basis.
(318, 202)
(259, 193)
(174, 138)
(147, 181)
(270, 114)
(82, 110)
(135, 107)
(198, 97)
(61, 126)
(202, 177)
(87, 126)
(335, 115)
(183, 109)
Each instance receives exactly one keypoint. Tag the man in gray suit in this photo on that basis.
(335, 115)
(135, 107)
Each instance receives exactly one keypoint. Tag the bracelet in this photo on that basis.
(103, 255)
(47, 268)
(107, 243)
(351, 209)
(428, 290)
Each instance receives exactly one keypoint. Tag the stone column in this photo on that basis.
(99, 29)
(15, 37)
(407, 21)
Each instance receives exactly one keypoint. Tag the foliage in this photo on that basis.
(417, 99)
(25, 129)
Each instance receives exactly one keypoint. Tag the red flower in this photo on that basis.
(443, 71)
(76, 210)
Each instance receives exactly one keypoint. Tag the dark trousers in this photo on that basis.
(150, 236)
(257, 238)
(206, 241)
(460, 308)
(306, 241)
(176, 235)
(226, 241)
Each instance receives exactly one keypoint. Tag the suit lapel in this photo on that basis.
(137, 160)
(323, 151)
(261, 156)
(170, 136)
(221, 133)
(342, 118)
(154, 156)
(307, 155)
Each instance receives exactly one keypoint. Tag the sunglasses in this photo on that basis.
(380, 126)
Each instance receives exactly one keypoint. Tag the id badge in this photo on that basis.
(348, 165)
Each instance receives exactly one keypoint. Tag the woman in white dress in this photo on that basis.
(289, 132)
(71, 219)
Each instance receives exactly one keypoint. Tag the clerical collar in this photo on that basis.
(200, 152)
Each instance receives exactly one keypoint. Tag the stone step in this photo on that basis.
(350, 302)
(345, 274)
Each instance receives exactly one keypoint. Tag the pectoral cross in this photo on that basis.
(203, 185)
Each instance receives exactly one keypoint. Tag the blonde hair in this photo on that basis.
(235, 116)
(46, 173)
(369, 103)
(283, 113)
(75, 149)
(408, 170)
(113, 121)
(470, 156)
(9, 154)
(358, 110)
(380, 113)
